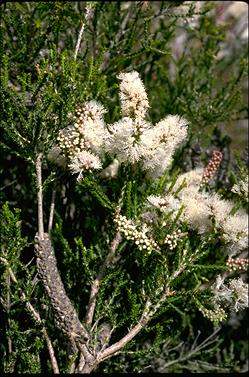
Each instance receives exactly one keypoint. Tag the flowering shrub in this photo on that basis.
(132, 248)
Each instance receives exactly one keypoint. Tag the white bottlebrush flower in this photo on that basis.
(132, 139)
(90, 125)
(80, 136)
(221, 291)
(191, 178)
(160, 142)
(241, 188)
(234, 294)
(241, 293)
(84, 161)
(156, 160)
(164, 203)
(221, 208)
(123, 141)
(235, 230)
(91, 109)
(200, 208)
(83, 140)
(196, 212)
(171, 130)
(134, 101)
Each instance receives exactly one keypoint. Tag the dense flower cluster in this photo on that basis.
(234, 294)
(201, 210)
(238, 264)
(216, 315)
(134, 101)
(124, 140)
(161, 142)
(132, 232)
(212, 166)
(234, 228)
(130, 140)
(134, 140)
(242, 188)
(172, 239)
(82, 142)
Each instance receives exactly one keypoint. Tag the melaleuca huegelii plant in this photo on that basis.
(131, 251)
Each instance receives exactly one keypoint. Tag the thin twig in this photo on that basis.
(38, 166)
(51, 352)
(96, 283)
(37, 317)
(8, 184)
(8, 306)
(79, 40)
(194, 349)
(51, 213)
(83, 24)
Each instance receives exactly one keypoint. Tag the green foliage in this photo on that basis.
(96, 190)
(10, 232)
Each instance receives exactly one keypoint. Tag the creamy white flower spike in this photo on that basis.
(90, 125)
(201, 210)
(82, 142)
(83, 161)
(160, 143)
(134, 101)
(242, 188)
(234, 293)
(124, 139)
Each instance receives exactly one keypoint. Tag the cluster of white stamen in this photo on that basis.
(233, 294)
(163, 203)
(134, 101)
(132, 139)
(241, 188)
(83, 161)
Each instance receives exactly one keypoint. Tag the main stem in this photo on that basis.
(38, 165)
